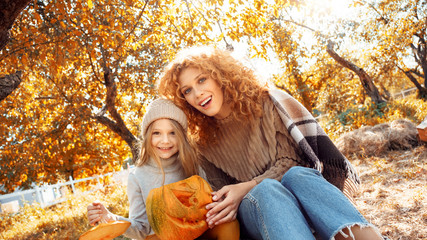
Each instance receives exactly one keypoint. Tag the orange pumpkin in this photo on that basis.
(106, 231)
(177, 210)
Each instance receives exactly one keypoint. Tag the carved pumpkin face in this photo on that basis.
(177, 210)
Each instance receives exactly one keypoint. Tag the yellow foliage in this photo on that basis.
(62, 48)
(369, 115)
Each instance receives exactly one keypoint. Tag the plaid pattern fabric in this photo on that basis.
(319, 150)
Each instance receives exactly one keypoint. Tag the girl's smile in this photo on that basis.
(163, 139)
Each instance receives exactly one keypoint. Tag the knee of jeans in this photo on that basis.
(264, 187)
(296, 175)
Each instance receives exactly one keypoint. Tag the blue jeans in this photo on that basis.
(301, 203)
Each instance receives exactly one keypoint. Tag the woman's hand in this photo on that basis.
(96, 212)
(226, 203)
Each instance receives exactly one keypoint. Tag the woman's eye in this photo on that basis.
(186, 91)
(172, 133)
(156, 133)
(201, 80)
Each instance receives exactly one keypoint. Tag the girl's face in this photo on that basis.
(203, 93)
(164, 140)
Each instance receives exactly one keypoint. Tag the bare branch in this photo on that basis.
(228, 46)
(382, 18)
(45, 98)
(134, 27)
(189, 13)
(416, 72)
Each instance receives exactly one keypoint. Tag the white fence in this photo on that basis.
(48, 195)
(404, 93)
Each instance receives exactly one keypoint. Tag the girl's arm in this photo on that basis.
(226, 203)
(139, 227)
(98, 213)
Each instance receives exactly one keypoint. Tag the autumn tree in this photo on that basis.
(367, 82)
(88, 70)
(398, 29)
(295, 80)
(328, 42)
(283, 36)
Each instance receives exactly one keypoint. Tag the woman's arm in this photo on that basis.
(226, 203)
(215, 176)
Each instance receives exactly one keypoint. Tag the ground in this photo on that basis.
(393, 192)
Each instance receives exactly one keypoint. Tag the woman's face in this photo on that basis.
(164, 141)
(203, 93)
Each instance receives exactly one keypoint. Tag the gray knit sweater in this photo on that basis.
(141, 180)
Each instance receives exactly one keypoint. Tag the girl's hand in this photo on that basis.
(96, 212)
(226, 203)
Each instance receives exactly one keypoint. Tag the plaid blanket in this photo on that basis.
(318, 148)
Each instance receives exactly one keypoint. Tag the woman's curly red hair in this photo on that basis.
(239, 84)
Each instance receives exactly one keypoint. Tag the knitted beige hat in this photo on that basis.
(163, 108)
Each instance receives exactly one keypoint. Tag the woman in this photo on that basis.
(274, 166)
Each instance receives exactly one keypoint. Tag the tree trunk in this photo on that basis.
(367, 83)
(8, 83)
(422, 91)
(9, 10)
(413, 80)
(420, 55)
(116, 124)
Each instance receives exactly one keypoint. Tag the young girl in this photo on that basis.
(166, 157)
(274, 166)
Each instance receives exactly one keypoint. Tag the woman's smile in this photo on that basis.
(203, 93)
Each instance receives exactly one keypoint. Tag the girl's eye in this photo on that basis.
(201, 80)
(156, 133)
(172, 133)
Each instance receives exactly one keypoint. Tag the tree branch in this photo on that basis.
(408, 74)
(367, 83)
(116, 124)
(8, 83)
(134, 27)
(382, 18)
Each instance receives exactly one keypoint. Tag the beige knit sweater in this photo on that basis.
(247, 150)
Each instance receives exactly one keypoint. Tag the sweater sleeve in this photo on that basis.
(139, 227)
(215, 176)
